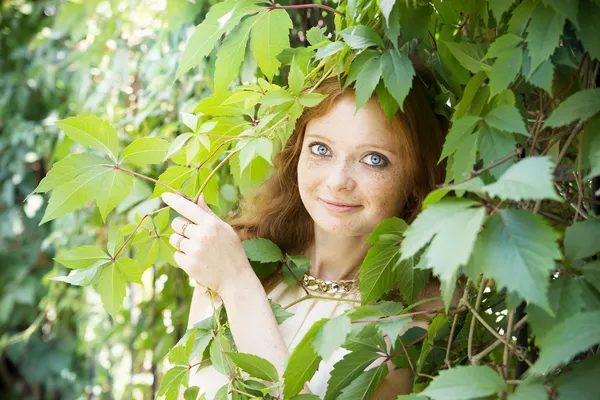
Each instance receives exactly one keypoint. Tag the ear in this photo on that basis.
(204, 206)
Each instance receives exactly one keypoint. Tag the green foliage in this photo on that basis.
(518, 81)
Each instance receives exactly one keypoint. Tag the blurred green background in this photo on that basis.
(117, 60)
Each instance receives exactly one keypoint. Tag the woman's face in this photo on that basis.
(351, 159)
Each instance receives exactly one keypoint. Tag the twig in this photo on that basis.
(447, 359)
(479, 356)
(134, 231)
(407, 346)
(150, 179)
(475, 173)
(412, 368)
(296, 278)
(212, 173)
(472, 327)
(422, 312)
(493, 332)
(509, 326)
(324, 7)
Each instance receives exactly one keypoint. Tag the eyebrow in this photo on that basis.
(364, 145)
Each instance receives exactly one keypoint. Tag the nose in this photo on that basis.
(340, 177)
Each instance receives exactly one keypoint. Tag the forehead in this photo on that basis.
(368, 125)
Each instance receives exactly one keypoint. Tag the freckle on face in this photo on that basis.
(343, 174)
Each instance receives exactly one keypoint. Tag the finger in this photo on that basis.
(204, 206)
(184, 207)
(190, 230)
(183, 246)
(182, 261)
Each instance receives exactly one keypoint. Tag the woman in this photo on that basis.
(339, 175)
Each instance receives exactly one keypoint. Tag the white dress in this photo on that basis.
(293, 329)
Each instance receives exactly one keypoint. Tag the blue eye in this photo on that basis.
(321, 149)
(377, 160)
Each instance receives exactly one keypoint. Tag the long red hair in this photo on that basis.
(276, 211)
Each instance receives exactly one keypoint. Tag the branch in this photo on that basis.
(212, 173)
(472, 327)
(150, 179)
(479, 356)
(324, 7)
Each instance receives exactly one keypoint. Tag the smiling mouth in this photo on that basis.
(338, 208)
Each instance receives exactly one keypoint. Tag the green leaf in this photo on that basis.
(591, 273)
(130, 269)
(92, 132)
(81, 257)
(517, 249)
(75, 193)
(542, 77)
(219, 347)
(172, 380)
(295, 78)
(588, 27)
(191, 393)
(398, 73)
(582, 381)
(113, 187)
(111, 287)
(298, 266)
(460, 128)
(83, 276)
(499, 7)
(254, 365)
(178, 356)
(174, 177)
(302, 363)
(474, 185)
(311, 99)
(505, 69)
(410, 280)
(468, 55)
(331, 336)
(529, 179)
(581, 239)
(261, 146)
(221, 17)
(465, 383)
(146, 150)
(579, 106)
(393, 327)
(262, 250)
(565, 7)
(280, 313)
(232, 51)
(502, 44)
(507, 118)
(561, 343)
(68, 169)
(347, 370)
(316, 35)
(493, 146)
(329, 49)
(364, 385)
(377, 272)
(464, 158)
(530, 390)
(366, 81)
(276, 97)
(358, 64)
(269, 38)
(451, 226)
(543, 34)
(361, 37)
(520, 16)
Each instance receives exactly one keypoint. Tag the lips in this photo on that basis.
(337, 203)
(337, 208)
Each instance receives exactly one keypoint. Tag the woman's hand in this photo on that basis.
(208, 248)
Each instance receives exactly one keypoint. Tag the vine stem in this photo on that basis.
(296, 278)
(149, 179)
(412, 368)
(472, 327)
(479, 356)
(407, 346)
(212, 173)
(324, 7)
(135, 230)
(493, 332)
(473, 174)
(465, 298)
(312, 296)
(325, 76)
(509, 327)
(422, 312)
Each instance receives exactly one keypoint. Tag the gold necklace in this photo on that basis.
(327, 286)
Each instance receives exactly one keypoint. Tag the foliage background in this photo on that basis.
(118, 60)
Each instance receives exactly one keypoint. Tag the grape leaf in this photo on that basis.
(367, 80)
(269, 38)
(529, 179)
(331, 336)
(561, 343)
(398, 73)
(69, 168)
(302, 362)
(113, 187)
(365, 384)
(461, 382)
(360, 37)
(129, 269)
(506, 118)
(518, 250)
(505, 69)
(81, 257)
(543, 34)
(111, 287)
(92, 132)
(172, 380)
(347, 370)
(146, 150)
(254, 365)
(579, 106)
(581, 239)
(262, 250)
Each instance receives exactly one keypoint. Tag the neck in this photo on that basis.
(336, 257)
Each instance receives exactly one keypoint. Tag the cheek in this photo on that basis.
(385, 193)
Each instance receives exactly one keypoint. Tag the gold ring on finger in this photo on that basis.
(183, 228)
(179, 242)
